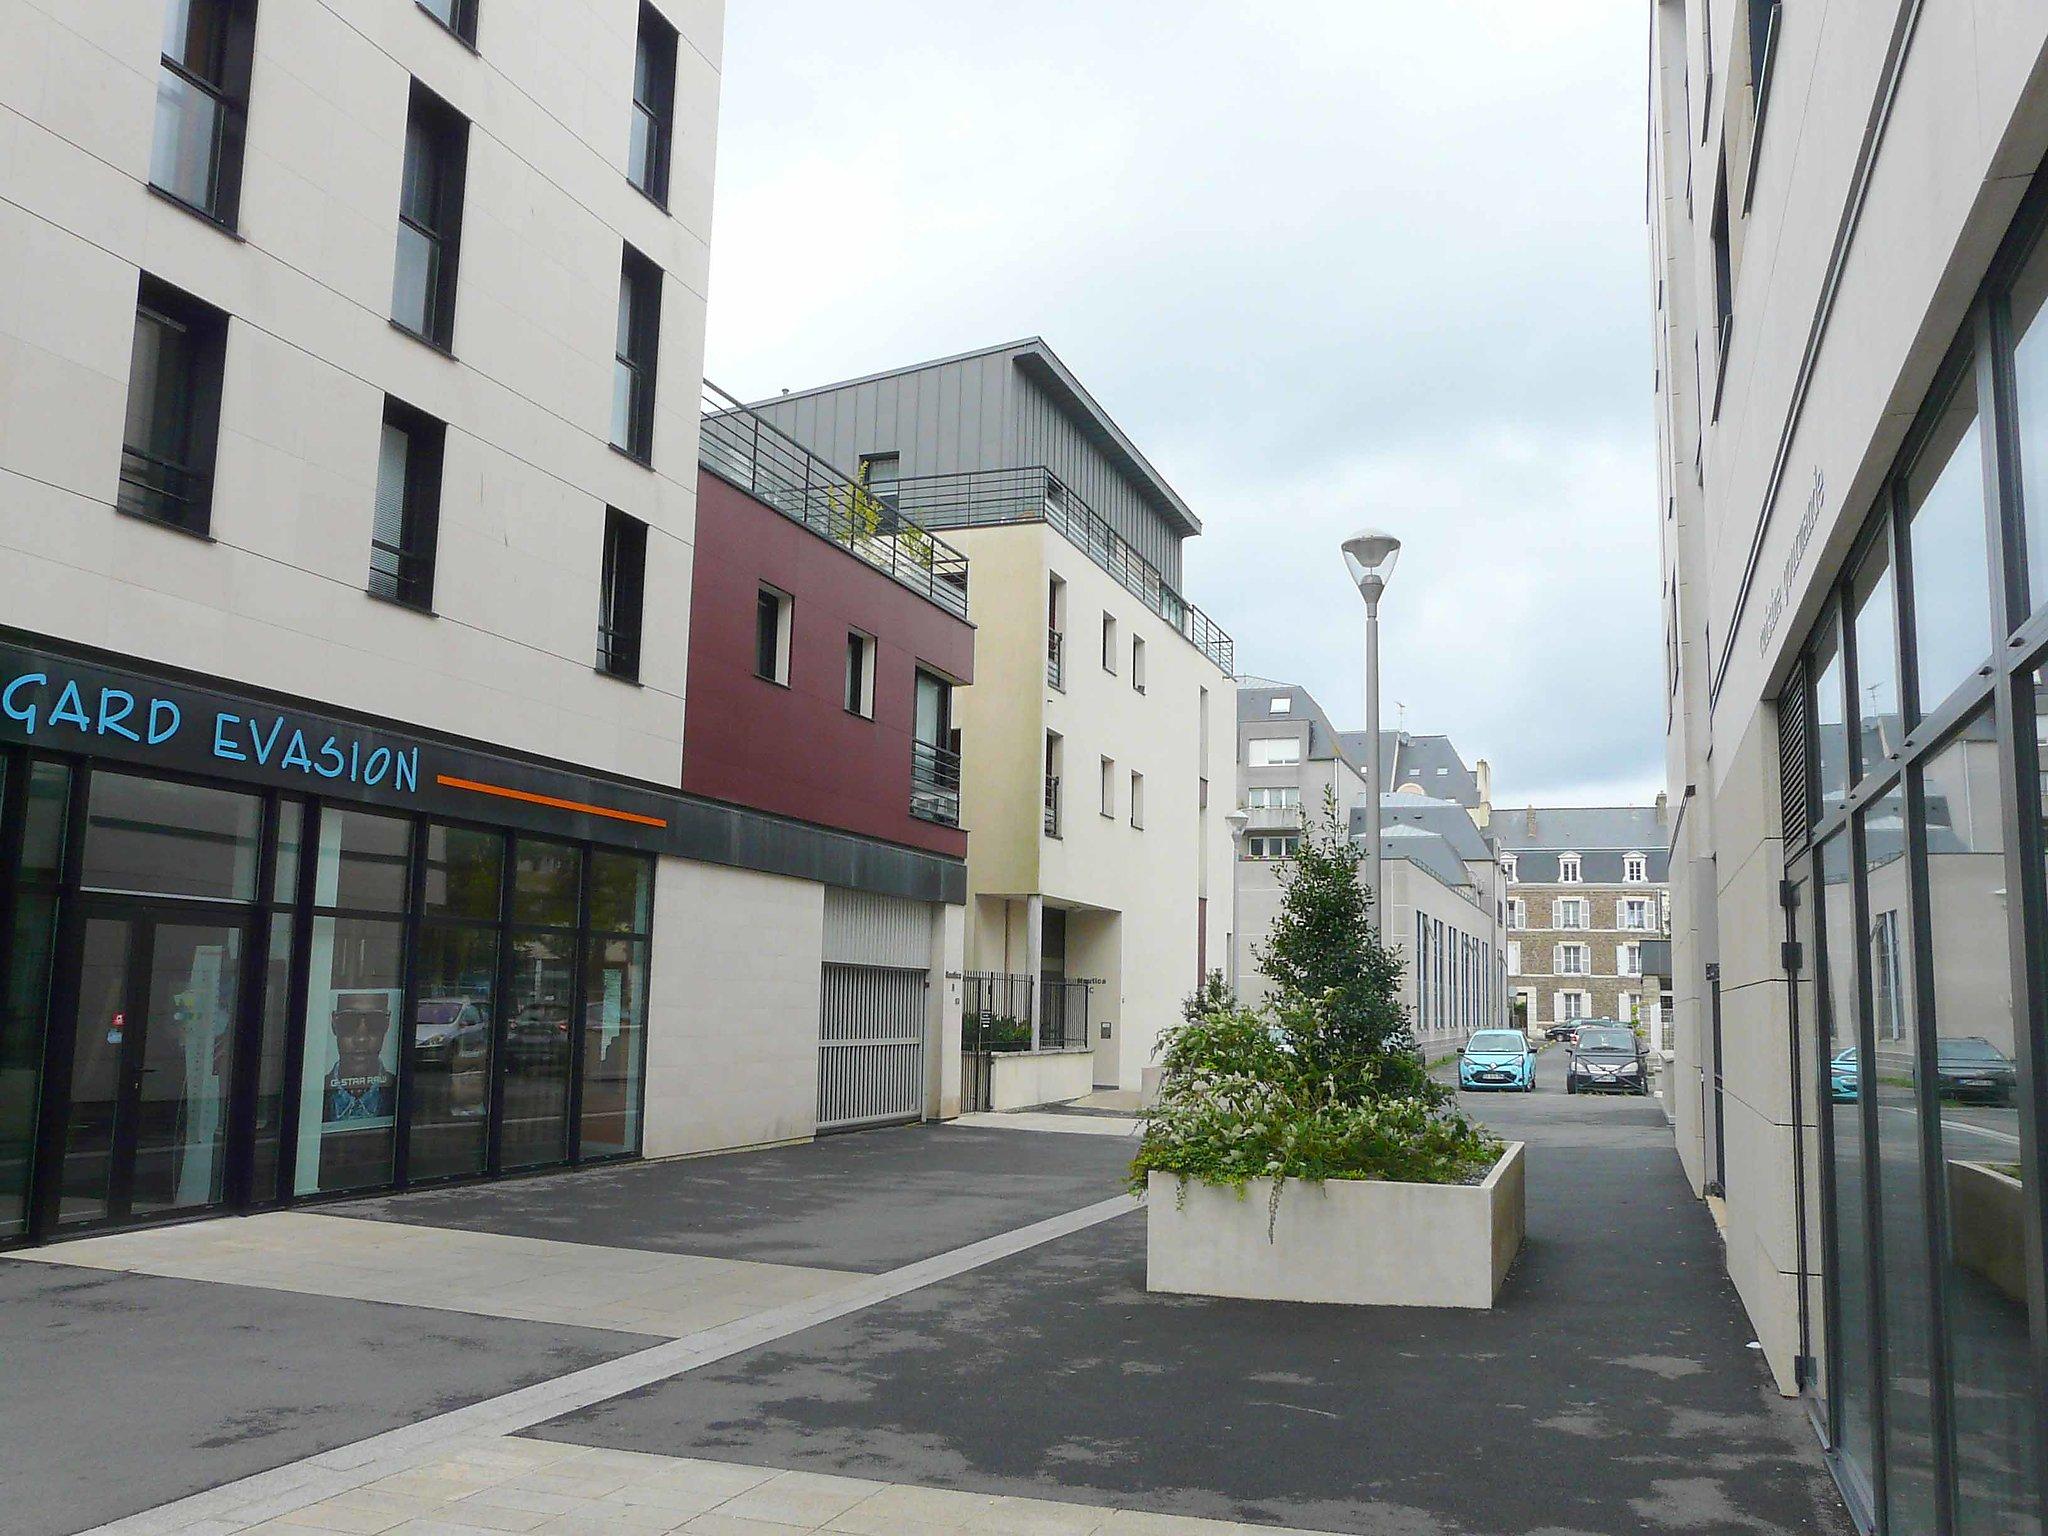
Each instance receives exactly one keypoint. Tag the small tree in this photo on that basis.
(1337, 986)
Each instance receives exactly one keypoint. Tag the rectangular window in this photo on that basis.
(879, 473)
(1571, 960)
(633, 372)
(654, 94)
(1629, 958)
(1724, 286)
(406, 523)
(1138, 801)
(1568, 869)
(1507, 865)
(1635, 914)
(774, 613)
(1056, 634)
(429, 218)
(1636, 869)
(860, 674)
(1281, 846)
(1108, 643)
(1272, 751)
(1137, 664)
(173, 421)
(202, 97)
(1571, 912)
(622, 594)
(458, 16)
(1518, 913)
(1571, 1005)
(1276, 797)
(1514, 957)
(1279, 704)
(1108, 786)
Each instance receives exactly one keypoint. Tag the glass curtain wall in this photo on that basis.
(1924, 697)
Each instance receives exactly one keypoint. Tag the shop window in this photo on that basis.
(405, 528)
(622, 596)
(39, 796)
(429, 218)
(173, 419)
(615, 1004)
(458, 16)
(167, 838)
(1996, 1399)
(1877, 671)
(1831, 729)
(545, 884)
(449, 1075)
(1944, 492)
(2030, 379)
(638, 341)
(654, 91)
(202, 94)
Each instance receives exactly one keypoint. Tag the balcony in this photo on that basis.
(1052, 805)
(1273, 818)
(995, 1013)
(776, 470)
(990, 497)
(1056, 659)
(934, 784)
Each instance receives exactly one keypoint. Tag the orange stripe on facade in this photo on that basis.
(503, 793)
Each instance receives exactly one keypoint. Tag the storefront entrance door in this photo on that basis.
(146, 1133)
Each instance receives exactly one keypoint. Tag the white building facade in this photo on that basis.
(350, 368)
(1846, 216)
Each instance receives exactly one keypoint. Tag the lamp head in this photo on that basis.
(1370, 555)
(1237, 821)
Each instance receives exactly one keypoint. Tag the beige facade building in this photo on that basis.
(1847, 206)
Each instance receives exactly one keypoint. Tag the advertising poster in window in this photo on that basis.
(360, 1077)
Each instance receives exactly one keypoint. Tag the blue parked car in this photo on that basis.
(1498, 1058)
(1842, 1077)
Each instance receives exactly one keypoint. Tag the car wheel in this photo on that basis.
(1570, 1086)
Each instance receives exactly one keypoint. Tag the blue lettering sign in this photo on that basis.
(71, 709)
(222, 747)
(25, 713)
(164, 720)
(111, 718)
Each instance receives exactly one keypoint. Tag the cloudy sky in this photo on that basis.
(1331, 263)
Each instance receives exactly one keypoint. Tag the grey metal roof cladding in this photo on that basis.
(1445, 818)
(1426, 850)
(1429, 761)
(1038, 360)
(1254, 707)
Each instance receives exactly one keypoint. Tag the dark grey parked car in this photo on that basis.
(1607, 1058)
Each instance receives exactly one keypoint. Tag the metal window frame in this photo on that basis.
(419, 511)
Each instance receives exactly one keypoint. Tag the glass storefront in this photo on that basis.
(218, 997)
(1920, 862)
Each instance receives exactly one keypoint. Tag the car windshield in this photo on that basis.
(1497, 1040)
(440, 1013)
(1971, 1050)
(1606, 1040)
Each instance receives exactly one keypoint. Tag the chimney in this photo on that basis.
(1530, 815)
(1663, 807)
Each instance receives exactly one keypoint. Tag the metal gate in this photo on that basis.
(871, 1024)
(870, 1046)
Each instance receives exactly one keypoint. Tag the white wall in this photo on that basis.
(277, 598)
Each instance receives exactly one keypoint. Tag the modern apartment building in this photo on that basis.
(1847, 208)
(1442, 904)
(1104, 705)
(353, 832)
(1586, 890)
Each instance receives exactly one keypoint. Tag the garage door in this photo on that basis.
(871, 1060)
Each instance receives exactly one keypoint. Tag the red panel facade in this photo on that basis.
(797, 751)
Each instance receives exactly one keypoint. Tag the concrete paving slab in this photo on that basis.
(484, 1274)
(123, 1391)
(1611, 1390)
(869, 1202)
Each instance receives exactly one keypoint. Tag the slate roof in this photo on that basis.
(1445, 818)
(1254, 700)
(1427, 849)
(1602, 836)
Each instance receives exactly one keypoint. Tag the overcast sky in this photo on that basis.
(1331, 263)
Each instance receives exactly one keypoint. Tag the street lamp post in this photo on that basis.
(1237, 821)
(1370, 555)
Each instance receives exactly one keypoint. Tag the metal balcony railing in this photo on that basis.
(775, 469)
(1052, 805)
(986, 497)
(1056, 659)
(934, 784)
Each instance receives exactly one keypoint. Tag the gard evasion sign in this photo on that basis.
(74, 707)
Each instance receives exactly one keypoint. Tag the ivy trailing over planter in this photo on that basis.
(1323, 1082)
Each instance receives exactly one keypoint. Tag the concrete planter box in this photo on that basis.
(1988, 1226)
(1362, 1242)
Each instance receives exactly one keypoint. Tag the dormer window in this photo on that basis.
(1635, 869)
(1568, 869)
(1507, 866)
(1279, 705)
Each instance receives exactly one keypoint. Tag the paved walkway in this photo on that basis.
(982, 1356)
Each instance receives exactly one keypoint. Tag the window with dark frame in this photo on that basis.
(622, 598)
(633, 374)
(173, 420)
(772, 621)
(654, 96)
(202, 98)
(406, 523)
(458, 16)
(429, 218)
(860, 674)
(1724, 286)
